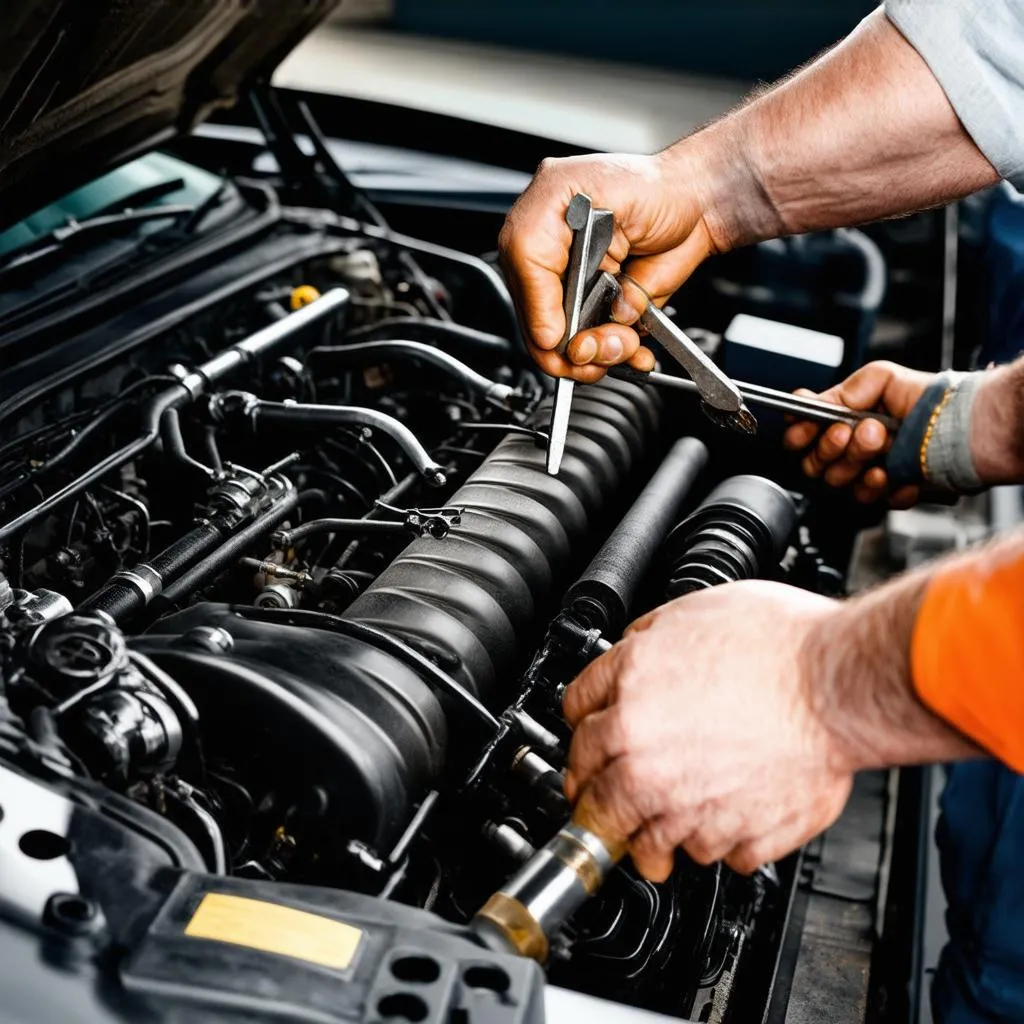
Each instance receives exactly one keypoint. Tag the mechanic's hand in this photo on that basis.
(662, 233)
(698, 730)
(843, 455)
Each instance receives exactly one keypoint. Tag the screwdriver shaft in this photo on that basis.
(795, 405)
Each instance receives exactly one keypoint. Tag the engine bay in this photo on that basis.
(287, 607)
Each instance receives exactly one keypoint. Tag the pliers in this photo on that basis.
(588, 296)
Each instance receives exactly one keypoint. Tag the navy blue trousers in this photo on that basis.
(980, 834)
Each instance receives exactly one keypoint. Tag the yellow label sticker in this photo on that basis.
(273, 928)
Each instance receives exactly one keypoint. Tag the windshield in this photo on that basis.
(146, 172)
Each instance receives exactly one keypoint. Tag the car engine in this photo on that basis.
(288, 603)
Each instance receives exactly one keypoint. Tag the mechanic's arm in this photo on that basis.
(730, 722)
(958, 432)
(866, 131)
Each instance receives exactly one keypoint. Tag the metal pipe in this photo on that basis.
(131, 590)
(189, 388)
(359, 355)
(333, 556)
(546, 891)
(304, 414)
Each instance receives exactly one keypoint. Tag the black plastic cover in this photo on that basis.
(292, 702)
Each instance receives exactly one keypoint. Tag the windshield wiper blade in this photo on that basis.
(110, 223)
(142, 197)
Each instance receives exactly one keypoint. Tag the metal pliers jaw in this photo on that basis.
(588, 294)
(720, 397)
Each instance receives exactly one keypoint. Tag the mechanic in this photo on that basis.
(751, 751)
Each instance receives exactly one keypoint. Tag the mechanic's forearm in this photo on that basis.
(858, 666)
(997, 426)
(864, 132)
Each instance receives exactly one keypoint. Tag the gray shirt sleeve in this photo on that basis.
(975, 48)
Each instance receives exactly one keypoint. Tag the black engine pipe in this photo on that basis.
(343, 527)
(740, 532)
(226, 554)
(415, 351)
(131, 590)
(453, 336)
(604, 595)
(187, 390)
(304, 414)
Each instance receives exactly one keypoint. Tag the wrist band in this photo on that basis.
(933, 444)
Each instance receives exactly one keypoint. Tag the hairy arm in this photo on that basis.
(731, 721)
(865, 132)
(997, 426)
(858, 668)
(929, 667)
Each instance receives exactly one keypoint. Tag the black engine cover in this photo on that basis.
(473, 593)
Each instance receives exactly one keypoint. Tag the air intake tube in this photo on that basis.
(603, 597)
(739, 532)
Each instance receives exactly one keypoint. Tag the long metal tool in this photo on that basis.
(592, 234)
(813, 409)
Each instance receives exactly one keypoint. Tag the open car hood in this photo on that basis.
(86, 84)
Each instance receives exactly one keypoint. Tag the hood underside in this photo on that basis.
(85, 84)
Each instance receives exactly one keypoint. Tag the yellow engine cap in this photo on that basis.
(303, 295)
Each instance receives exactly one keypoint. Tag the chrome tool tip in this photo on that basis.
(741, 420)
(744, 420)
(560, 410)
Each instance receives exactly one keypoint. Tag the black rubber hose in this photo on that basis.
(102, 419)
(415, 351)
(605, 594)
(740, 532)
(225, 554)
(174, 444)
(129, 592)
(454, 337)
(169, 399)
(303, 414)
(345, 527)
